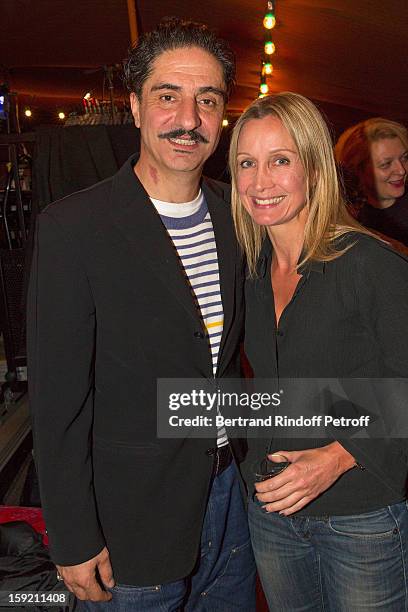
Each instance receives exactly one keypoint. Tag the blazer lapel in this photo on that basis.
(136, 218)
(226, 249)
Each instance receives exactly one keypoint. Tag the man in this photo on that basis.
(135, 279)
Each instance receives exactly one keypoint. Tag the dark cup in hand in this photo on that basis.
(269, 469)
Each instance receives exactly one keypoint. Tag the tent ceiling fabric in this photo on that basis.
(347, 53)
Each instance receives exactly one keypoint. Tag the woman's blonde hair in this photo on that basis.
(328, 218)
(353, 154)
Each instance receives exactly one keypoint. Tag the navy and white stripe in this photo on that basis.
(190, 228)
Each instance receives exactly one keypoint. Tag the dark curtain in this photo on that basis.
(67, 159)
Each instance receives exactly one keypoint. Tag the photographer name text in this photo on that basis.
(269, 421)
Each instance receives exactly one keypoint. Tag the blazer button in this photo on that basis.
(210, 451)
(199, 335)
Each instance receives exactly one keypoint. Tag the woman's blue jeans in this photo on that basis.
(332, 563)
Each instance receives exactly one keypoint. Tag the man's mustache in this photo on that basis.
(194, 135)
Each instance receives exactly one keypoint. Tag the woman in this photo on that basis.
(325, 299)
(374, 157)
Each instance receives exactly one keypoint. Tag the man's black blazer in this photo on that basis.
(109, 313)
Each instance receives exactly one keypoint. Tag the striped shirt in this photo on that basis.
(191, 231)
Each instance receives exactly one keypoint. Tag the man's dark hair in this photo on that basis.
(173, 33)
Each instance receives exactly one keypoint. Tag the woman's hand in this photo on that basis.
(310, 473)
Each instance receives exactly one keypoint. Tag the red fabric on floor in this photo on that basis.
(32, 516)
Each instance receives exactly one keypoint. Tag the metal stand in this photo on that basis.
(12, 257)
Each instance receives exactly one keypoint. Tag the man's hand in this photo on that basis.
(310, 473)
(81, 579)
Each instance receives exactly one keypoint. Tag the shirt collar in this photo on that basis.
(312, 266)
(265, 257)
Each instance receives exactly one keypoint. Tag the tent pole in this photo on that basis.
(131, 5)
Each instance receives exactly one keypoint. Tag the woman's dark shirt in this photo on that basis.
(391, 221)
(348, 318)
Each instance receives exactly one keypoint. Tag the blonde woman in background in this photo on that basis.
(324, 299)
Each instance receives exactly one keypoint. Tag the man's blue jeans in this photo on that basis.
(224, 580)
(335, 563)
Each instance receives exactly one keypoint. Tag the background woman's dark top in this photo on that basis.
(391, 221)
(348, 318)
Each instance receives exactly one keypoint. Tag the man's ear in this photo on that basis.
(135, 106)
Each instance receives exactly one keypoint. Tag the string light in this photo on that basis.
(269, 47)
(225, 122)
(267, 68)
(61, 115)
(28, 112)
(269, 22)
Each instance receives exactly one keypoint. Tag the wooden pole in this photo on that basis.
(131, 4)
